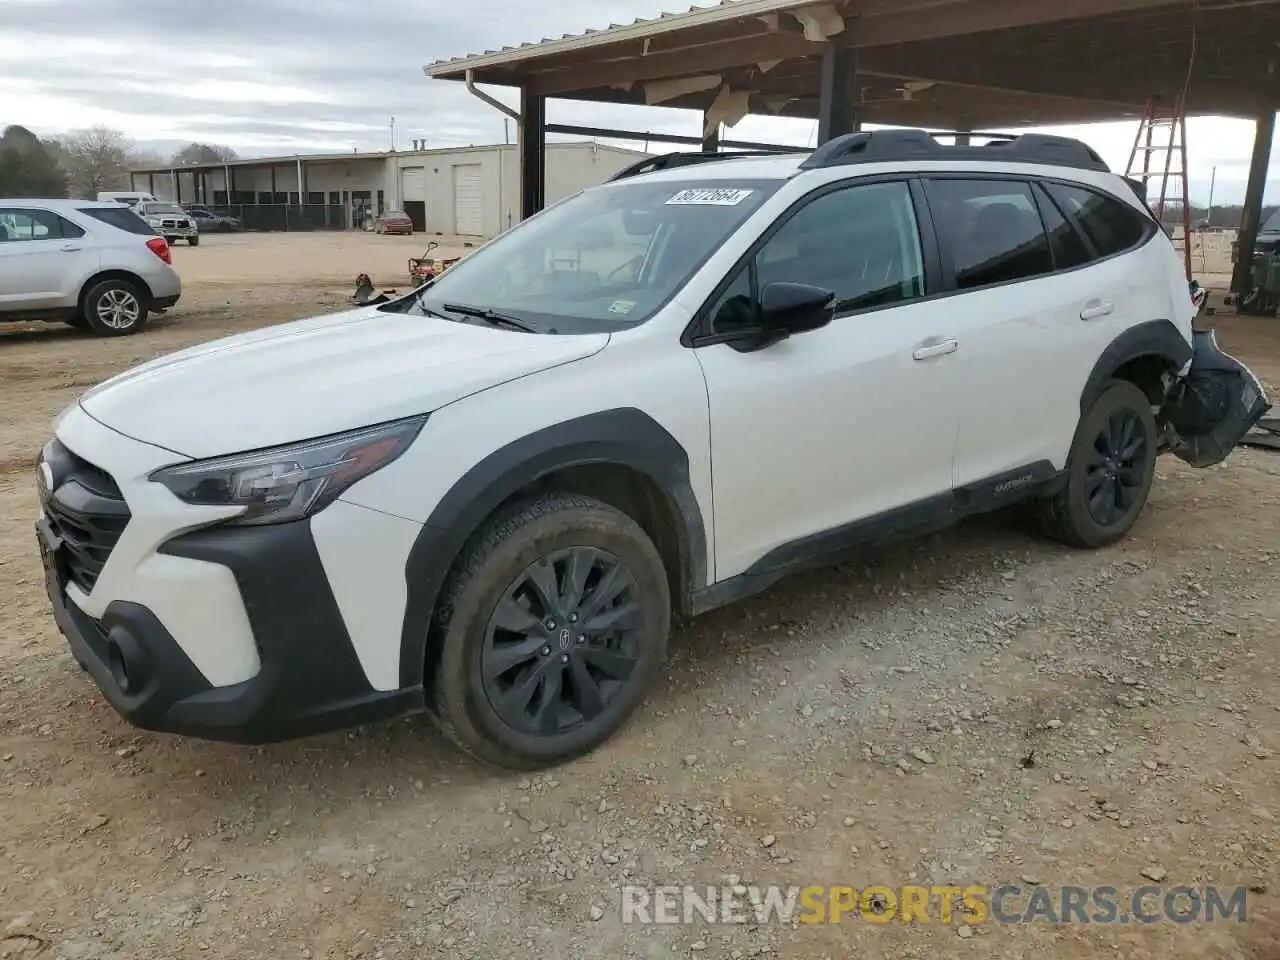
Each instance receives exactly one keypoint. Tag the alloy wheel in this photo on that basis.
(1114, 469)
(562, 642)
(118, 309)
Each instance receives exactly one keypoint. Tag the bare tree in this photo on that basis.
(96, 159)
(196, 153)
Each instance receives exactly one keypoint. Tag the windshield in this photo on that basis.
(164, 208)
(1272, 225)
(608, 257)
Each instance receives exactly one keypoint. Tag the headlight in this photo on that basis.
(288, 483)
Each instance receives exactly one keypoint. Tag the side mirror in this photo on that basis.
(787, 308)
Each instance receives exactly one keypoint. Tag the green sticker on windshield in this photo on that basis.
(622, 306)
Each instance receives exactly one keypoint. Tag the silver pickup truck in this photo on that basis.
(169, 220)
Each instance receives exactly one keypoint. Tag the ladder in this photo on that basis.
(1160, 154)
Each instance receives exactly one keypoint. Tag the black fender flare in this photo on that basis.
(1158, 338)
(624, 437)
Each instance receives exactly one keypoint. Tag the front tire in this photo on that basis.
(194, 241)
(1109, 472)
(553, 629)
(115, 308)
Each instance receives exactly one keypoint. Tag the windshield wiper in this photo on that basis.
(492, 316)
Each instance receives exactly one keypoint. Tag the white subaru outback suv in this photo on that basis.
(486, 499)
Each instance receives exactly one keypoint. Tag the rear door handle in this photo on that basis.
(1095, 309)
(71, 248)
(936, 347)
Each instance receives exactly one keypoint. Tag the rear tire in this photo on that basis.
(115, 308)
(553, 629)
(1109, 471)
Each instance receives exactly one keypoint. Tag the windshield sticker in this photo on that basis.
(622, 306)
(714, 197)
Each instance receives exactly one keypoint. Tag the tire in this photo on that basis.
(1109, 471)
(77, 321)
(194, 241)
(481, 661)
(100, 305)
(377, 230)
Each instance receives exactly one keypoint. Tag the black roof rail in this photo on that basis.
(888, 145)
(668, 160)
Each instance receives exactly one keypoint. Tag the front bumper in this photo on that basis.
(220, 632)
(310, 680)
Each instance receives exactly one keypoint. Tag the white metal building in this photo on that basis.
(470, 191)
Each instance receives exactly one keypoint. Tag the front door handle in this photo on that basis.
(71, 248)
(936, 347)
(1096, 309)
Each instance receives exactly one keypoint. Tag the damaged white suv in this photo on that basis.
(486, 499)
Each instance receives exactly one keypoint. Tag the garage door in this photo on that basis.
(467, 193)
(413, 184)
(413, 195)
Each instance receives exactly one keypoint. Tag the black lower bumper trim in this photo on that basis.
(310, 680)
(164, 303)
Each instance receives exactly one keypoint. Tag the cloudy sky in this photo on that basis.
(278, 77)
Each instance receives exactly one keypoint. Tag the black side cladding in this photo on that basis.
(1214, 406)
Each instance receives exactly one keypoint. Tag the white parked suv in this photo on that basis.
(487, 498)
(91, 264)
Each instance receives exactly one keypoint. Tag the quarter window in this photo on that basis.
(1112, 226)
(991, 229)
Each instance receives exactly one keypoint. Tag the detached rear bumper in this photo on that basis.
(1210, 410)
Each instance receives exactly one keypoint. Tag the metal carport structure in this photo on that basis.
(959, 65)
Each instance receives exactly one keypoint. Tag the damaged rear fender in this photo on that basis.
(1209, 410)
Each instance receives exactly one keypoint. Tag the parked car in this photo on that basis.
(91, 264)
(1267, 244)
(485, 498)
(169, 220)
(207, 221)
(393, 221)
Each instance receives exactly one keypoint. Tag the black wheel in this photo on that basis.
(114, 308)
(78, 322)
(194, 241)
(553, 630)
(1109, 472)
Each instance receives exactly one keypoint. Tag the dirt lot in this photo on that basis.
(976, 708)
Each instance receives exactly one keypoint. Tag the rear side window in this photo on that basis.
(1111, 225)
(991, 230)
(1069, 248)
(120, 217)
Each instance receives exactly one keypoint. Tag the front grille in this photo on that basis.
(87, 511)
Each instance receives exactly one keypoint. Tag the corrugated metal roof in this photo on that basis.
(636, 30)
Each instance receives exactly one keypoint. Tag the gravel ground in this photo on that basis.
(979, 707)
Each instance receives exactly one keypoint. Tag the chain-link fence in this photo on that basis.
(279, 216)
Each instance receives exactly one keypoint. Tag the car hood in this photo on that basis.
(318, 376)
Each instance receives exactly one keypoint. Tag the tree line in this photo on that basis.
(83, 162)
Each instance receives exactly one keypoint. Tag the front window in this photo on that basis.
(163, 210)
(607, 258)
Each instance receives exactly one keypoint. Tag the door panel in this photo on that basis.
(38, 264)
(1032, 325)
(840, 424)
